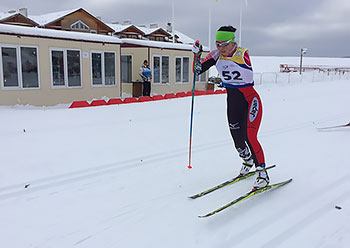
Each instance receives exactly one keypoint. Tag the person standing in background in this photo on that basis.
(146, 75)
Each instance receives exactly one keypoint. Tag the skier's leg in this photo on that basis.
(253, 123)
(237, 109)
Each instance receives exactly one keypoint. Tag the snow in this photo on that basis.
(117, 176)
(51, 17)
(5, 15)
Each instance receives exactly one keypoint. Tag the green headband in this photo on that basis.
(225, 36)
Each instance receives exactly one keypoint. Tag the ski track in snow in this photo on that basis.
(163, 212)
(298, 222)
(103, 170)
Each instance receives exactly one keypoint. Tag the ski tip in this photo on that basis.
(189, 166)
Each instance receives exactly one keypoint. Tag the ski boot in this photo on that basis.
(262, 180)
(247, 164)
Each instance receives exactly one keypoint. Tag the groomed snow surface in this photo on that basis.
(117, 176)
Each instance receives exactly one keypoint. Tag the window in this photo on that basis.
(126, 67)
(96, 68)
(161, 69)
(203, 77)
(165, 69)
(73, 64)
(109, 59)
(65, 68)
(20, 67)
(79, 25)
(9, 67)
(156, 69)
(57, 64)
(103, 68)
(29, 61)
(182, 65)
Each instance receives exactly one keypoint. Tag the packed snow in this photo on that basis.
(117, 176)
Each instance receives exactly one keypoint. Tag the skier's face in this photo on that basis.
(225, 48)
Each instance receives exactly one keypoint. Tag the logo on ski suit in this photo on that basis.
(254, 109)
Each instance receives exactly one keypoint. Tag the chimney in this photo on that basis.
(24, 11)
(153, 25)
(126, 22)
(169, 27)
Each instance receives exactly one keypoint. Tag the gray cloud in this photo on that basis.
(269, 27)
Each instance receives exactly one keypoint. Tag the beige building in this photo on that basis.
(43, 64)
(48, 67)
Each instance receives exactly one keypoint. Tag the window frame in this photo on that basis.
(160, 70)
(82, 23)
(202, 78)
(19, 67)
(181, 70)
(103, 69)
(131, 67)
(65, 68)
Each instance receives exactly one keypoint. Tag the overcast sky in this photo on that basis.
(269, 27)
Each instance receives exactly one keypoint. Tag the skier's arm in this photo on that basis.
(209, 61)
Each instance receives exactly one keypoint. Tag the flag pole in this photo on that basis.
(173, 19)
(209, 37)
(240, 24)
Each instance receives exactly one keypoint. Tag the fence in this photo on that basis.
(295, 77)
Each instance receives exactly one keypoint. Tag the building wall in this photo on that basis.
(172, 86)
(46, 94)
(139, 54)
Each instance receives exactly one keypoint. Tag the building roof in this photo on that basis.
(147, 31)
(51, 17)
(58, 34)
(46, 19)
(4, 16)
(80, 36)
(121, 27)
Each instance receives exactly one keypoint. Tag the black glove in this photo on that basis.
(198, 68)
(215, 80)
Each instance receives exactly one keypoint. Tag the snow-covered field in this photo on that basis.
(117, 176)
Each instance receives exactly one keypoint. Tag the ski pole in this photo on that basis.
(192, 106)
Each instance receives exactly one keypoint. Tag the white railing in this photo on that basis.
(295, 77)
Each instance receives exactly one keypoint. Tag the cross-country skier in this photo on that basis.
(244, 108)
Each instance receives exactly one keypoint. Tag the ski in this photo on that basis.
(229, 182)
(332, 127)
(246, 196)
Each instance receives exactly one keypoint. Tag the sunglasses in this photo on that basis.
(223, 44)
